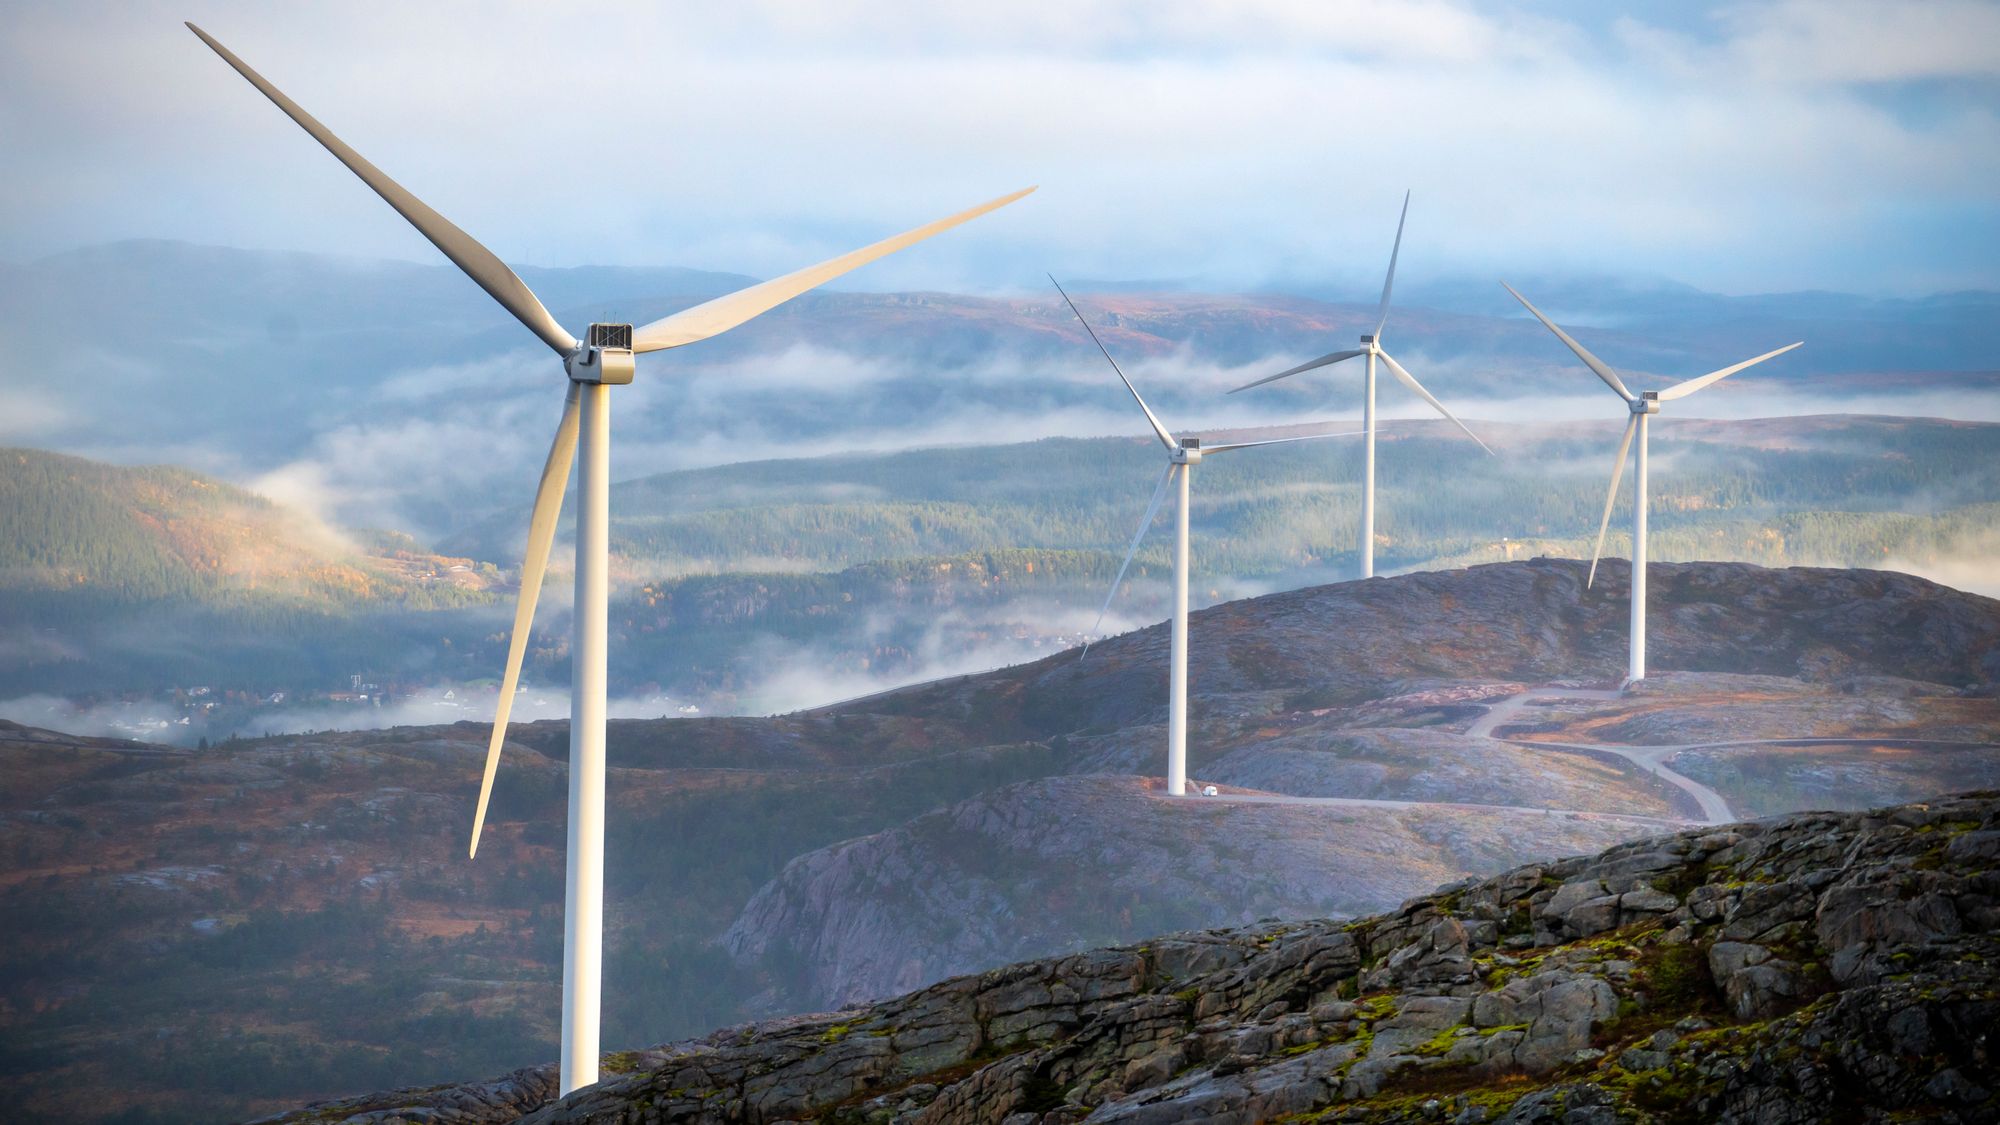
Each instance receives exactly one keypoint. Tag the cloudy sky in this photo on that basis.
(1739, 147)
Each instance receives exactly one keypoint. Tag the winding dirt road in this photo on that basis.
(1652, 759)
(1374, 803)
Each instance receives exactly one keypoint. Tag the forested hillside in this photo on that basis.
(115, 579)
(159, 532)
(1831, 491)
(776, 584)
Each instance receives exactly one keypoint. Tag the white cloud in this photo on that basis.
(28, 414)
(1238, 143)
(1837, 42)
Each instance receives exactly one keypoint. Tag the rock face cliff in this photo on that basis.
(1818, 967)
(1068, 863)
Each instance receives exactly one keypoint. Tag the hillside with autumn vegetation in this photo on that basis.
(115, 578)
(158, 533)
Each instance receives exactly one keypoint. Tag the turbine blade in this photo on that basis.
(541, 533)
(1410, 381)
(1166, 438)
(1611, 497)
(1604, 372)
(1331, 357)
(1145, 523)
(1382, 314)
(1211, 450)
(723, 313)
(479, 263)
(1680, 390)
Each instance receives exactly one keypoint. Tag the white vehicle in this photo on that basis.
(1208, 790)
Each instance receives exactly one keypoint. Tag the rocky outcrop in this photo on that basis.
(505, 1098)
(1813, 968)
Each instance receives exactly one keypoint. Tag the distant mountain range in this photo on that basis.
(245, 362)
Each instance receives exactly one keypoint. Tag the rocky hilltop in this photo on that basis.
(1532, 621)
(1818, 967)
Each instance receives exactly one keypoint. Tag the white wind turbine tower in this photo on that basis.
(1371, 346)
(1183, 454)
(1641, 407)
(602, 360)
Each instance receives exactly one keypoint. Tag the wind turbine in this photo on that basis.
(1641, 407)
(1371, 346)
(605, 358)
(1183, 454)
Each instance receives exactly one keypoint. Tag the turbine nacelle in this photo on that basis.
(1648, 402)
(1186, 452)
(605, 357)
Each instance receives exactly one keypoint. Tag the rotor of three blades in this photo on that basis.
(1373, 344)
(491, 274)
(1637, 405)
(1181, 456)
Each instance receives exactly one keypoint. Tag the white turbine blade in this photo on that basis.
(1603, 370)
(1332, 357)
(1166, 438)
(1611, 497)
(723, 313)
(1145, 523)
(1410, 381)
(1679, 390)
(479, 263)
(1225, 447)
(541, 533)
(1382, 314)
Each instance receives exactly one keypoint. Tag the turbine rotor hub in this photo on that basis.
(1188, 452)
(1648, 402)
